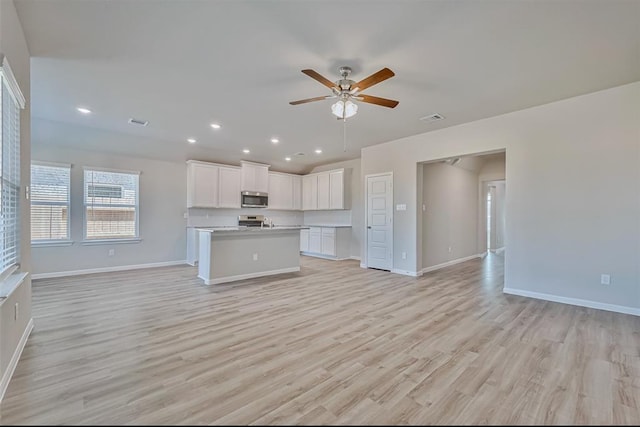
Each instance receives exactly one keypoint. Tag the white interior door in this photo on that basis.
(380, 221)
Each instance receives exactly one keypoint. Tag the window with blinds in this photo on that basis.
(9, 175)
(111, 204)
(50, 202)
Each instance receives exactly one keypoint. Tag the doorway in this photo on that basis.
(379, 216)
(494, 214)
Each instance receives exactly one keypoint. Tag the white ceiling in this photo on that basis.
(184, 64)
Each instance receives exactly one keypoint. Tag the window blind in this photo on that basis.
(9, 177)
(111, 204)
(50, 202)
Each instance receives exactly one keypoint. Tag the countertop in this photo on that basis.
(328, 225)
(252, 229)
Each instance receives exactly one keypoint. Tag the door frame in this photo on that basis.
(365, 252)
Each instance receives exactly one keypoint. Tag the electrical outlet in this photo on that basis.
(404, 255)
(255, 257)
(112, 252)
(186, 215)
(450, 250)
(605, 279)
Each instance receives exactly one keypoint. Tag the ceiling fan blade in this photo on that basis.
(373, 79)
(378, 101)
(304, 101)
(328, 83)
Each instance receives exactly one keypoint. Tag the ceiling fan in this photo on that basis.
(347, 91)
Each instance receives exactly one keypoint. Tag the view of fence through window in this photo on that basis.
(49, 202)
(111, 204)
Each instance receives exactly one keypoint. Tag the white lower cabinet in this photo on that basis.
(315, 240)
(326, 242)
(304, 240)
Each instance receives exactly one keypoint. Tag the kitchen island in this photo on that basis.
(227, 254)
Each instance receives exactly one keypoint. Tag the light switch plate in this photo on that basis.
(401, 207)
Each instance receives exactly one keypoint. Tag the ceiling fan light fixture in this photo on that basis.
(344, 109)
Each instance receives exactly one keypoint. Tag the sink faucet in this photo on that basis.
(268, 222)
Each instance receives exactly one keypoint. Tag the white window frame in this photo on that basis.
(109, 240)
(8, 80)
(54, 242)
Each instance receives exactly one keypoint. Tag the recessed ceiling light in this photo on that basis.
(275, 140)
(83, 110)
(246, 151)
(318, 151)
(215, 126)
(191, 141)
(288, 159)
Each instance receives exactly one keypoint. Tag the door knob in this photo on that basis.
(368, 226)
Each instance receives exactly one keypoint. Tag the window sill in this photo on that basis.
(110, 241)
(10, 284)
(51, 243)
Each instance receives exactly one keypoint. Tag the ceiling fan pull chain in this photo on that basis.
(344, 134)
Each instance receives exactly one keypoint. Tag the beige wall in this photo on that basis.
(572, 200)
(14, 46)
(450, 218)
(162, 204)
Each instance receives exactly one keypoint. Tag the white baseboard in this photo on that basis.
(316, 255)
(500, 250)
(4, 383)
(249, 276)
(452, 262)
(357, 258)
(106, 269)
(574, 301)
(406, 272)
(363, 265)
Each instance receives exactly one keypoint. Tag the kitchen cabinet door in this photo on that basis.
(323, 190)
(202, 185)
(304, 240)
(297, 192)
(229, 188)
(280, 191)
(255, 177)
(309, 192)
(315, 242)
(336, 189)
(328, 244)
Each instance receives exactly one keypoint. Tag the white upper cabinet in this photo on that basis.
(336, 189)
(229, 187)
(297, 192)
(280, 191)
(325, 190)
(202, 185)
(255, 177)
(310, 192)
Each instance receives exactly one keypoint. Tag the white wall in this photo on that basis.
(162, 204)
(450, 221)
(353, 216)
(14, 47)
(572, 203)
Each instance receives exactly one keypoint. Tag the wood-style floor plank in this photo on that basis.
(332, 344)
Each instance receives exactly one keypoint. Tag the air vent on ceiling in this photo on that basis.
(299, 153)
(138, 122)
(432, 117)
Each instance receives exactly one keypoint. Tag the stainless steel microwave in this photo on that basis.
(254, 199)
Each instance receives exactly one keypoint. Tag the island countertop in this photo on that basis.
(243, 229)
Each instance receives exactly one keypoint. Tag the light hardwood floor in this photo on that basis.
(333, 344)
